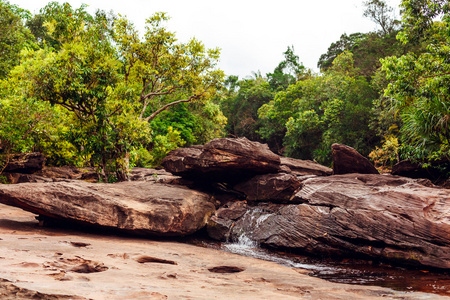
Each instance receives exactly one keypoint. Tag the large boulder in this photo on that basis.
(138, 207)
(225, 159)
(378, 216)
(25, 163)
(347, 160)
(301, 167)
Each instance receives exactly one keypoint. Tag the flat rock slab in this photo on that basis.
(140, 207)
(379, 216)
(42, 263)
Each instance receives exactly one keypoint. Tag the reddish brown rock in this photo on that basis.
(277, 188)
(347, 160)
(224, 159)
(220, 223)
(378, 216)
(301, 167)
(139, 207)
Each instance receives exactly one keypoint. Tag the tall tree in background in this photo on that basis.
(287, 72)
(382, 14)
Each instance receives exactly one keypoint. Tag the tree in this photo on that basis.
(287, 72)
(419, 83)
(241, 107)
(345, 43)
(316, 112)
(113, 82)
(382, 14)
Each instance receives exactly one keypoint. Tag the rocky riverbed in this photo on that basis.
(53, 263)
(230, 189)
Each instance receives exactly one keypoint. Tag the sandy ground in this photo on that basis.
(48, 263)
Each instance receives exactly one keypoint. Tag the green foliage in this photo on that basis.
(419, 83)
(321, 110)
(107, 84)
(345, 43)
(141, 158)
(197, 123)
(163, 144)
(241, 106)
(388, 155)
(287, 72)
(14, 36)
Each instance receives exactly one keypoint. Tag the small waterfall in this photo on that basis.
(243, 244)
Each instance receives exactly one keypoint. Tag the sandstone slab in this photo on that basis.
(277, 188)
(140, 207)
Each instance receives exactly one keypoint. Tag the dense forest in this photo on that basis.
(90, 90)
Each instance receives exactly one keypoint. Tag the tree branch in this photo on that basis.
(153, 115)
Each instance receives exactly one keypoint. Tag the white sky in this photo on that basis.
(252, 34)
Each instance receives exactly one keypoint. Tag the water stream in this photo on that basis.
(350, 271)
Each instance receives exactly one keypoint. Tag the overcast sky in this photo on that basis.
(252, 34)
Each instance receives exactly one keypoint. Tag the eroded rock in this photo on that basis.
(26, 163)
(139, 207)
(380, 216)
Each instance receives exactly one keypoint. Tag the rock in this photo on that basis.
(14, 178)
(300, 167)
(220, 223)
(226, 159)
(347, 160)
(37, 263)
(65, 172)
(25, 163)
(379, 216)
(159, 176)
(277, 188)
(138, 207)
(407, 168)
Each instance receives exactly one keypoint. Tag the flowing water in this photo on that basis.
(349, 271)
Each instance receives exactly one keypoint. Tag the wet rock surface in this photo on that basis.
(37, 263)
(378, 216)
(138, 207)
